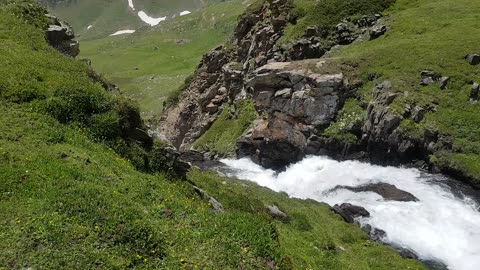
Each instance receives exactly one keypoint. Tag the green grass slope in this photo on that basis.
(70, 202)
(152, 63)
(431, 35)
(107, 17)
(221, 137)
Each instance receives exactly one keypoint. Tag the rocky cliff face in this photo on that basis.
(60, 35)
(296, 101)
(220, 77)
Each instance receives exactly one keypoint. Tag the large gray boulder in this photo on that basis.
(295, 99)
(60, 36)
(349, 211)
(473, 59)
(387, 191)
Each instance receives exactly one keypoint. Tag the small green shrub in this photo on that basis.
(348, 123)
(104, 126)
(32, 14)
(300, 222)
(222, 136)
(327, 14)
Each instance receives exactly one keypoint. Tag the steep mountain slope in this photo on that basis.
(96, 19)
(391, 88)
(153, 62)
(68, 201)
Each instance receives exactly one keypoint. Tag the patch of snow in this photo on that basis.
(150, 20)
(185, 12)
(130, 3)
(121, 32)
(90, 26)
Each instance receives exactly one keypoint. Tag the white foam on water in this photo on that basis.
(130, 4)
(150, 20)
(185, 12)
(122, 32)
(439, 226)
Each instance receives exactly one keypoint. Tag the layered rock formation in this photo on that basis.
(220, 76)
(60, 35)
(294, 101)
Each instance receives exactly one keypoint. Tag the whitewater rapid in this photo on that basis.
(440, 226)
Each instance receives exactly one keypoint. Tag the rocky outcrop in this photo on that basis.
(293, 100)
(387, 191)
(216, 206)
(375, 234)
(60, 36)
(169, 160)
(316, 42)
(276, 213)
(473, 59)
(349, 211)
(219, 78)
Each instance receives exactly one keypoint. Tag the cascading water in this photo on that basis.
(440, 226)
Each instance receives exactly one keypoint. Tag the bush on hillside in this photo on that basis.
(327, 14)
(31, 13)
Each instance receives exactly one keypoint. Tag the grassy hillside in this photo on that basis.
(222, 136)
(152, 63)
(67, 201)
(430, 35)
(107, 17)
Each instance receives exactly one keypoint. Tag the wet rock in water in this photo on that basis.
(276, 213)
(435, 265)
(406, 253)
(216, 206)
(473, 59)
(349, 211)
(374, 233)
(295, 100)
(387, 191)
(273, 143)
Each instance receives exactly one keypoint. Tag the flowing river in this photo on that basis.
(444, 225)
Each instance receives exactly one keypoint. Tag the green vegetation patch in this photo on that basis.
(326, 14)
(350, 119)
(429, 35)
(68, 203)
(151, 64)
(230, 125)
(312, 237)
(50, 82)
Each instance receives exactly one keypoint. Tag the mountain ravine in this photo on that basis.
(312, 100)
(331, 135)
